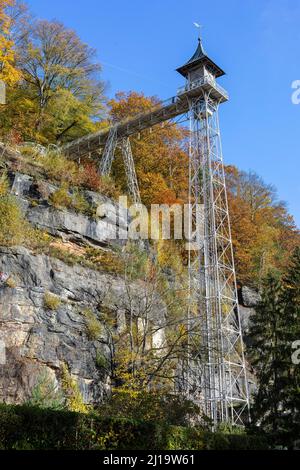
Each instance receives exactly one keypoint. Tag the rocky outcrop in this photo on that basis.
(250, 297)
(38, 339)
(109, 229)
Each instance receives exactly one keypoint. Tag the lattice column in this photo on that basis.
(109, 152)
(224, 389)
(132, 181)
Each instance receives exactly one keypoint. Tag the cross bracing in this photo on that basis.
(215, 374)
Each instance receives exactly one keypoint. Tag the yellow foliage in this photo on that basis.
(8, 72)
(73, 396)
(13, 227)
(11, 283)
(4, 186)
(105, 260)
(61, 197)
(60, 168)
(93, 326)
(51, 301)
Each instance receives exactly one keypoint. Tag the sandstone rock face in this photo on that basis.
(38, 339)
(109, 229)
(250, 297)
(35, 340)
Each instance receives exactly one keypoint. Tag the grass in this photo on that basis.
(13, 226)
(93, 326)
(51, 301)
(4, 185)
(58, 169)
(61, 198)
(105, 261)
(11, 283)
(101, 361)
(93, 258)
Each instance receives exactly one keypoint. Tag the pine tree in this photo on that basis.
(291, 334)
(265, 354)
(276, 326)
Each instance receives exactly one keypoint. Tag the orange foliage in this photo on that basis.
(263, 232)
(90, 176)
(161, 163)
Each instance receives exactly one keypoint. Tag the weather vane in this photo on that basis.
(198, 26)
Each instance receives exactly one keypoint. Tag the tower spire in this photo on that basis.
(200, 58)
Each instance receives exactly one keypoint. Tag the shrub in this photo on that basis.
(59, 168)
(45, 394)
(51, 301)
(79, 203)
(61, 197)
(105, 260)
(151, 406)
(93, 326)
(89, 177)
(137, 261)
(65, 256)
(26, 427)
(108, 187)
(13, 227)
(38, 240)
(11, 283)
(184, 438)
(4, 185)
(73, 396)
(30, 151)
(101, 361)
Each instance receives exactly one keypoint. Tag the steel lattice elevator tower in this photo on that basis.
(221, 388)
(215, 370)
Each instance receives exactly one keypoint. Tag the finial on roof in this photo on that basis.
(198, 26)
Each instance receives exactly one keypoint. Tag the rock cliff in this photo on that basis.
(37, 339)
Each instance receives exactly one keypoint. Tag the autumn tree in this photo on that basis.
(160, 159)
(60, 96)
(263, 232)
(9, 73)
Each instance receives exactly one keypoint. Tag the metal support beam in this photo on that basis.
(223, 390)
(132, 181)
(109, 152)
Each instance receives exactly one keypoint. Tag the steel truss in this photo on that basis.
(109, 152)
(132, 182)
(222, 387)
(108, 157)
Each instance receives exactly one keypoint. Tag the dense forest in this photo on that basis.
(55, 94)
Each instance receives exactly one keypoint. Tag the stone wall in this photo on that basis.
(38, 339)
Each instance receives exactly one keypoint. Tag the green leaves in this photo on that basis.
(276, 325)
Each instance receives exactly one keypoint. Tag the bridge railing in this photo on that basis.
(200, 82)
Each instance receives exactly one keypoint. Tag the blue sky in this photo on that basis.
(257, 42)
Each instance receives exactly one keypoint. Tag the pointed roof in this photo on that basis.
(200, 57)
